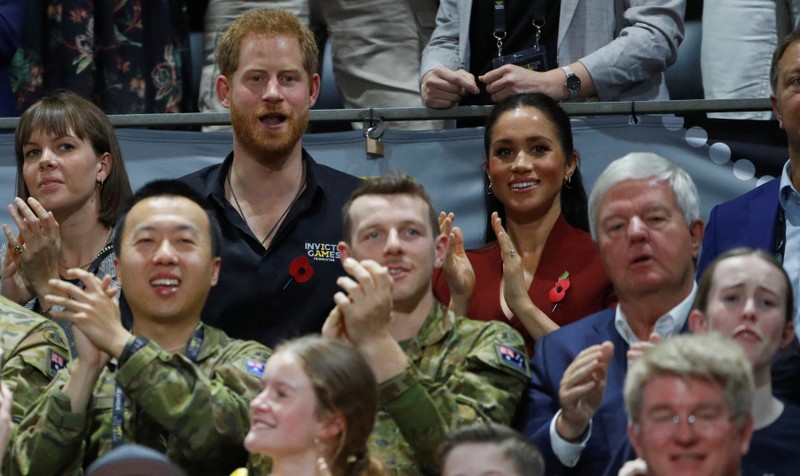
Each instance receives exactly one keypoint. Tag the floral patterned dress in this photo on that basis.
(128, 56)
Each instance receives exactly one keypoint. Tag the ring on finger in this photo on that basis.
(512, 253)
(18, 249)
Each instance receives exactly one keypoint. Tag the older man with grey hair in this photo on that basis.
(644, 217)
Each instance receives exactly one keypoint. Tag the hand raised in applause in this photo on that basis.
(457, 269)
(37, 263)
(582, 388)
(333, 326)
(365, 302)
(514, 289)
(639, 348)
(362, 315)
(13, 283)
(93, 311)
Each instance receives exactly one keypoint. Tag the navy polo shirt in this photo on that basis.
(270, 295)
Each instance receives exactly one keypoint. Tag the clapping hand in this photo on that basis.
(36, 250)
(94, 313)
(457, 269)
(582, 388)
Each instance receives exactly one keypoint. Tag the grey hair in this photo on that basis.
(708, 356)
(640, 166)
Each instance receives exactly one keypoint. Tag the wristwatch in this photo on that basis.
(573, 82)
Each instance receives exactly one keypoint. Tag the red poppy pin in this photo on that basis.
(558, 291)
(300, 269)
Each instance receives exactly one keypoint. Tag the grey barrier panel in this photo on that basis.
(449, 163)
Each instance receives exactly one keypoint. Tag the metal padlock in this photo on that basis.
(374, 146)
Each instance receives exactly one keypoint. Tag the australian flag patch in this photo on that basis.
(512, 358)
(57, 361)
(254, 367)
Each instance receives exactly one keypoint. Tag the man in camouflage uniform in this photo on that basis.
(436, 371)
(174, 384)
(34, 349)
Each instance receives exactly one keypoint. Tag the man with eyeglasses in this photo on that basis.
(746, 295)
(689, 404)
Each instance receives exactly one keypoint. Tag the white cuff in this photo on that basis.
(568, 453)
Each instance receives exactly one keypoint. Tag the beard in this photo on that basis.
(265, 144)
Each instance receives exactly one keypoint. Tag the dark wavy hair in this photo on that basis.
(573, 195)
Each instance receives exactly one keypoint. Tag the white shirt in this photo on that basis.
(666, 326)
(789, 201)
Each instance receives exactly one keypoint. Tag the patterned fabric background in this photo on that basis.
(128, 56)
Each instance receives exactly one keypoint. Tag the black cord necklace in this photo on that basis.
(280, 218)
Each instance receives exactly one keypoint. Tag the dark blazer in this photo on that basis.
(748, 220)
(553, 354)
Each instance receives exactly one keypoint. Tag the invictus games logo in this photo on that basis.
(322, 251)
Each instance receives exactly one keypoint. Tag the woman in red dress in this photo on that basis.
(540, 269)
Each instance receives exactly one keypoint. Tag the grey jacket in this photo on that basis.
(626, 45)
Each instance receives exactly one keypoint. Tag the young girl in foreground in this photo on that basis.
(315, 412)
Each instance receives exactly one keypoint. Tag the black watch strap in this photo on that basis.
(572, 83)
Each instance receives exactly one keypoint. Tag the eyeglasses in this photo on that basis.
(700, 423)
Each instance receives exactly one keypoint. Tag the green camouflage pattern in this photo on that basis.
(34, 349)
(195, 412)
(455, 377)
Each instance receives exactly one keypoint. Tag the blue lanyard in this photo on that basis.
(118, 415)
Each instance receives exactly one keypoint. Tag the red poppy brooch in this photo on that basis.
(558, 291)
(300, 270)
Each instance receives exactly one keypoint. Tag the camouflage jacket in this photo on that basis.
(460, 371)
(196, 412)
(34, 350)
